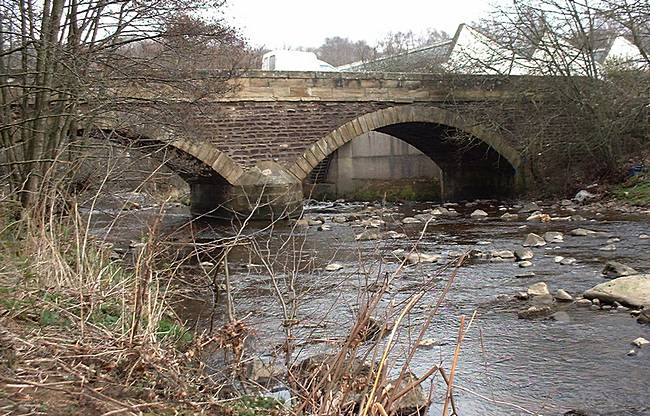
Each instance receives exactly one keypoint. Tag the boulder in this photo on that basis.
(558, 259)
(538, 289)
(533, 240)
(524, 253)
(411, 220)
(414, 402)
(583, 302)
(524, 264)
(562, 296)
(553, 237)
(608, 247)
(631, 291)
(644, 236)
(534, 312)
(314, 221)
(615, 269)
(479, 213)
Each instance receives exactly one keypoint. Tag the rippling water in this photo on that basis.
(507, 364)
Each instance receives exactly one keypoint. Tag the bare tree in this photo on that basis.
(61, 62)
(589, 116)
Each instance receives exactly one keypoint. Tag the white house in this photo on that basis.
(283, 60)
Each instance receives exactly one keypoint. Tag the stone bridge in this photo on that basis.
(253, 148)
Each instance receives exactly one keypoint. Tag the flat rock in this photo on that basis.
(524, 264)
(504, 254)
(617, 269)
(525, 275)
(524, 253)
(538, 289)
(509, 217)
(332, 267)
(581, 232)
(631, 291)
(534, 240)
(411, 220)
(608, 247)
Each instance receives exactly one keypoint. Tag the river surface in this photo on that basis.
(507, 366)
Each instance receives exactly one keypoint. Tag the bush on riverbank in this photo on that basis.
(81, 333)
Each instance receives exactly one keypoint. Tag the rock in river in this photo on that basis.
(631, 291)
(608, 247)
(616, 269)
(553, 237)
(479, 213)
(524, 254)
(640, 342)
(533, 240)
(368, 235)
(415, 258)
(332, 267)
(538, 289)
(534, 312)
(582, 232)
(562, 296)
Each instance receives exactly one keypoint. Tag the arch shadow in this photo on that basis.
(476, 162)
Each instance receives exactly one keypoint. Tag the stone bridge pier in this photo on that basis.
(266, 191)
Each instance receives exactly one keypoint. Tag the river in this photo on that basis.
(506, 364)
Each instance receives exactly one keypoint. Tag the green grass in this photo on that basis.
(635, 190)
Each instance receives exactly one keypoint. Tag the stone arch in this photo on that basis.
(397, 115)
(464, 167)
(204, 153)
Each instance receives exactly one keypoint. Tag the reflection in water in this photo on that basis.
(545, 366)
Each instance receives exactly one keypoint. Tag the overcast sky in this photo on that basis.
(280, 23)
